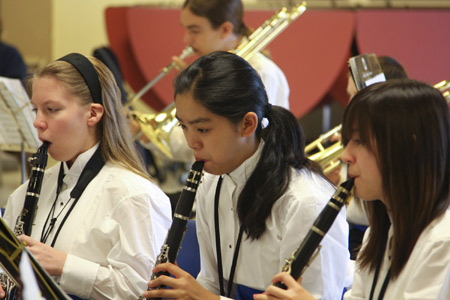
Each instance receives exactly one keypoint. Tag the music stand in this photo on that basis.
(11, 250)
(17, 132)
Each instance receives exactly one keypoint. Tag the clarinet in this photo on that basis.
(302, 257)
(169, 250)
(26, 218)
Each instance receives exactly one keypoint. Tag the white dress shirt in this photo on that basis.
(425, 276)
(288, 223)
(274, 80)
(112, 236)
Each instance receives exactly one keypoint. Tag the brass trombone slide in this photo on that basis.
(444, 88)
(326, 157)
(188, 51)
(269, 30)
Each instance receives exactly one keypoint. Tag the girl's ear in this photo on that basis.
(249, 124)
(95, 114)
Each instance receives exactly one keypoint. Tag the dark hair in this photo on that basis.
(391, 68)
(219, 11)
(228, 86)
(406, 124)
(107, 56)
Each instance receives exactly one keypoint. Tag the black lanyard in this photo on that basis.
(47, 230)
(375, 278)
(91, 170)
(218, 250)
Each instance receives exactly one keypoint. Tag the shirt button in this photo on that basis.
(229, 246)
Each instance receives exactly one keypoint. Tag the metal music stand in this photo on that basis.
(17, 132)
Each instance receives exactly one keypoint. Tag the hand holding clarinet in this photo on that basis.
(182, 282)
(285, 285)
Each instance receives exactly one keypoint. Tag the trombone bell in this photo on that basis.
(157, 128)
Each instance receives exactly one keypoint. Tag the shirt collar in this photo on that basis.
(243, 172)
(80, 162)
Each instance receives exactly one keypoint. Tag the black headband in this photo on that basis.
(88, 72)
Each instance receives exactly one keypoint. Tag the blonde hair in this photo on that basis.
(116, 143)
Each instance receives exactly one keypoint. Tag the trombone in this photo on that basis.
(157, 127)
(188, 51)
(444, 88)
(329, 157)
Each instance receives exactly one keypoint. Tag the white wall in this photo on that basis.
(79, 25)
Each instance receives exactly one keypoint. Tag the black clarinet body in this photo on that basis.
(303, 255)
(38, 162)
(24, 223)
(175, 235)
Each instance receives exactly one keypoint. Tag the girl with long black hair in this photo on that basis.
(262, 193)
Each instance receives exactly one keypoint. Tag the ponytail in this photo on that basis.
(284, 144)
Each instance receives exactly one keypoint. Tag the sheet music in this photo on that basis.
(31, 289)
(16, 117)
(365, 70)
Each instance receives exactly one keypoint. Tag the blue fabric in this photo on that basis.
(11, 63)
(189, 255)
(359, 227)
(75, 297)
(245, 293)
